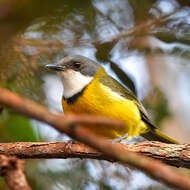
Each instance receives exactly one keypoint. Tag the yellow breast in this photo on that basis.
(99, 99)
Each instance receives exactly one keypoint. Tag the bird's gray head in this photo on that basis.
(76, 73)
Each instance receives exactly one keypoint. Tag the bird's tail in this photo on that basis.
(157, 135)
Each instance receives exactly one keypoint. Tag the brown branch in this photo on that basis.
(12, 169)
(172, 154)
(115, 151)
(59, 121)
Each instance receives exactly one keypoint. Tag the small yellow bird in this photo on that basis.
(89, 89)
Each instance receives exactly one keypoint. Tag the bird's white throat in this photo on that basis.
(73, 82)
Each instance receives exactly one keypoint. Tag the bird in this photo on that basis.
(88, 89)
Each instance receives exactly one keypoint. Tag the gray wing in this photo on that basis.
(122, 91)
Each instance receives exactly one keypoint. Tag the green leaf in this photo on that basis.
(14, 127)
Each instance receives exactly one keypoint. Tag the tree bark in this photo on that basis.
(12, 169)
(172, 154)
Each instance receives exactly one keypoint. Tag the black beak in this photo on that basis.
(55, 67)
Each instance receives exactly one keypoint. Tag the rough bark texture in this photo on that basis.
(172, 154)
(74, 129)
(12, 169)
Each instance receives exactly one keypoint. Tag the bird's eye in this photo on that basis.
(76, 65)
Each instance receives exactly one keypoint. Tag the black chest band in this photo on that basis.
(74, 98)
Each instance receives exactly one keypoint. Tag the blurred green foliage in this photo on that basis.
(15, 128)
(158, 106)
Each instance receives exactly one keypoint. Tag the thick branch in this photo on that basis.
(172, 154)
(115, 151)
(12, 169)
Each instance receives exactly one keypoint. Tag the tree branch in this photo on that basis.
(12, 169)
(115, 151)
(172, 154)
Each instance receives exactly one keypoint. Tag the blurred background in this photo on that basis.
(143, 44)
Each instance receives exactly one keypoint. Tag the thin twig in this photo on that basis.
(12, 169)
(152, 167)
(146, 28)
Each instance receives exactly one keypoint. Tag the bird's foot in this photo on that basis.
(120, 138)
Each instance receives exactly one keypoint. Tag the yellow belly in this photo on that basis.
(100, 100)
